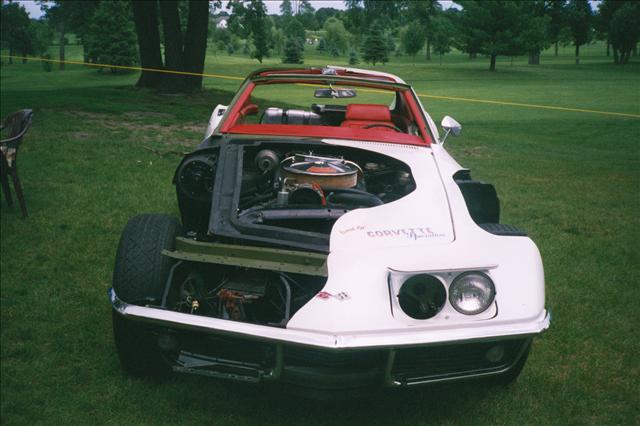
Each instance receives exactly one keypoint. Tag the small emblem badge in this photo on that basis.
(340, 296)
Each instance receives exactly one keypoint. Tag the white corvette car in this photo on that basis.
(328, 244)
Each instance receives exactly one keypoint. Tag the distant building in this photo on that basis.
(221, 22)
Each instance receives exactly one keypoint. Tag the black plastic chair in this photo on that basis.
(17, 123)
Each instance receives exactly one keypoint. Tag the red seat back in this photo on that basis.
(362, 115)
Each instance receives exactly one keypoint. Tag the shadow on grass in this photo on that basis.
(267, 404)
(115, 100)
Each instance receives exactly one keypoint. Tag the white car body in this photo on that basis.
(372, 250)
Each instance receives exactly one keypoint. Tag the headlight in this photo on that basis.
(422, 296)
(471, 293)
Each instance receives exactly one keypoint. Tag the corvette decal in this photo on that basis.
(411, 233)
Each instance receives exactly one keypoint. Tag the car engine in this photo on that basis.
(282, 191)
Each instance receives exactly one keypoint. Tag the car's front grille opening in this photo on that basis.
(455, 360)
(348, 360)
(230, 348)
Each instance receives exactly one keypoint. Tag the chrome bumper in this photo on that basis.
(163, 317)
(390, 350)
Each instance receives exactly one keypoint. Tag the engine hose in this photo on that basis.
(287, 306)
(350, 196)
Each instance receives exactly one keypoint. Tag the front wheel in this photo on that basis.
(140, 275)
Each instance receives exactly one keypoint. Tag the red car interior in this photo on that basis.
(361, 121)
(365, 116)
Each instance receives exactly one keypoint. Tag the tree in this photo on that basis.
(58, 14)
(493, 27)
(184, 51)
(353, 58)
(295, 29)
(375, 46)
(306, 15)
(391, 43)
(535, 34)
(220, 35)
(40, 35)
(276, 40)
(14, 28)
(111, 38)
(620, 26)
(412, 39)
(292, 51)
(579, 19)
(556, 11)
(145, 18)
(285, 8)
(424, 11)
(362, 14)
(256, 20)
(443, 32)
(69, 16)
(336, 35)
(325, 13)
(624, 31)
(322, 45)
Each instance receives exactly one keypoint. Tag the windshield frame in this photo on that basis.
(230, 121)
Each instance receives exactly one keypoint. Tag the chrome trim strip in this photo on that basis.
(442, 271)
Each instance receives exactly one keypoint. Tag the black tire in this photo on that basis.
(139, 277)
(512, 375)
(141, 270)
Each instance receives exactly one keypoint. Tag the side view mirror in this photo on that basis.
(449, 125)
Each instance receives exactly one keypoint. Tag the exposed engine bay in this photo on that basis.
(283, 194)
(239, 294)
(274, 194)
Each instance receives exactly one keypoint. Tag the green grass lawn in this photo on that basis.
(91, 161)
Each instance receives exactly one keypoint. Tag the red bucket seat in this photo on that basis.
(365, 115)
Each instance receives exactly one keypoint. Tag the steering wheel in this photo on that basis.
(388, 126)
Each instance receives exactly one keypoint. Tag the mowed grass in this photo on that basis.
(101, 151)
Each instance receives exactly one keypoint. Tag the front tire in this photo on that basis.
(139, 277)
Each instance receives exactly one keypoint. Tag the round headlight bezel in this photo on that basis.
(452, 293)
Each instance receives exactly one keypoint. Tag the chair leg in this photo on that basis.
(19, 194)
(4, 179)
(5, 188)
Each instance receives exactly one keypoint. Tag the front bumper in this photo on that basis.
(250, 352)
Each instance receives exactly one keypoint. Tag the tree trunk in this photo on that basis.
(534, 58)
(145, 16)
(428, 48)
(556, 48)
(608, 48)
(195, 43)
(577, 54)
(173, 44)
(635, 49)
(492, 64)
(61, 46)
(616, 59)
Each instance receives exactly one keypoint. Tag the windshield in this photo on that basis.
(344, 110)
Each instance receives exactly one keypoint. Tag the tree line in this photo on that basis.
(174, 35)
